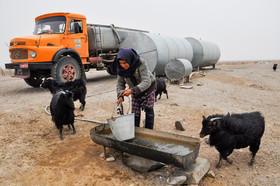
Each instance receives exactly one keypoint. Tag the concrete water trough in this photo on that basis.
(171, 149)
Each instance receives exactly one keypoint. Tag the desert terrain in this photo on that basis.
(32, 154)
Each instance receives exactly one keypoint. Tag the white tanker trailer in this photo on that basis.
(159, 50)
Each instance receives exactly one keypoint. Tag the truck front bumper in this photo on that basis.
(31, 66)
(22, 70)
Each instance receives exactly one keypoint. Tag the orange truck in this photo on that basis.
(63, 46)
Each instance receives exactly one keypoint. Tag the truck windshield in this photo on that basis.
(50, 25)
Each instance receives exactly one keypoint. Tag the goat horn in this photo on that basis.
(213, 119)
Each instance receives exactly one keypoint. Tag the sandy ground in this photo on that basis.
(32, 154)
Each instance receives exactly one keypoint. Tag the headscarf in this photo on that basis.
(131, 57)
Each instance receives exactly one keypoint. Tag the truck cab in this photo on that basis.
(63, 46)
(57, 48)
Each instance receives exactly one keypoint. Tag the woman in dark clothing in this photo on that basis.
(133, 71)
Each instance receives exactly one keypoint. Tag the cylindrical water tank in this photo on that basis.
(205, 53)
(177, 69)
(105, 38)
(158, 50)
(101, 38)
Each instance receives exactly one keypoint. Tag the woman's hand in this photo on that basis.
(120, 100)
(126, 92)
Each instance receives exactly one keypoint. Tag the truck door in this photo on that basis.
(77, 38)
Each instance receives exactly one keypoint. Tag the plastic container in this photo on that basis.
(122, 127)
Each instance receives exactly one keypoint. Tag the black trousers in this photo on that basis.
(149, 121)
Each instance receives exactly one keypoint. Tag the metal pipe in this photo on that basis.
(116, 33)
(81, 119)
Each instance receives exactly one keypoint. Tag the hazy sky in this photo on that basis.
(243, 29)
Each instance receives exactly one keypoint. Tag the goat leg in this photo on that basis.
(159, 96)
(74, 130)
(60, 134)
(219, 163)
(82, 107)
(83, 103)
(253, 159)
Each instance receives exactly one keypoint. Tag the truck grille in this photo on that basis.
(19, 54)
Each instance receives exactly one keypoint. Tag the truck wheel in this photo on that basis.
(110, 70)
(66, 69)
(33, 81)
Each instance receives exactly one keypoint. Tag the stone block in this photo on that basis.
(200, 168)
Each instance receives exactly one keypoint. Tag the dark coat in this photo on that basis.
(161, 88)
(62, 110)
(235, 131)
(77, 87)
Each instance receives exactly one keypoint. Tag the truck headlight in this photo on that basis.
(32, 54)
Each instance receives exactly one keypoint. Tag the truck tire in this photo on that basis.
(110, 70)
(33, 80)
(66, 69)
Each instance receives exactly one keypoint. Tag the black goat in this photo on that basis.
(52, 85)
(274, 67)
(77, 87)
(235, 131)
(161, 87)
(62, 110)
